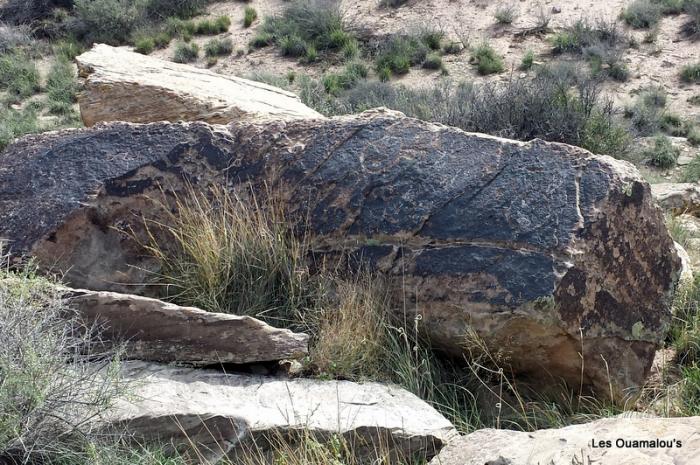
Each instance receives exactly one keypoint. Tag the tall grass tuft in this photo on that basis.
(229, 254)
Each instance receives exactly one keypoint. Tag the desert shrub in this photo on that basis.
(61, 87)
(691, 171)
(16, 123)
(162, 9)
(26, 11)
(642, 14)
(13, 38)
(185, 53)
(673, 125)
(68, 49)
(646, 112)
(557, 104)
(249, 16)
(663, 154)
(691, 73)
(452, 48)
(351, 75)
(693, 136)
(433, 61)
(391, 3)
(218, 47)
(54, 375)
(18, 75)
(317, 23)
(506, 13)
(432, 37)
(212, 26)
(670, 7)
(527, 61)
(109, 21)
(691, 28)
(583, 33)
(486, 59)
(293, 46)
(399, 53)
(144, 45)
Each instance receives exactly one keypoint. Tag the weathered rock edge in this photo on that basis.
(153, 330)
(222, 414)
(120, 85)
(533, 245)
(573, 444)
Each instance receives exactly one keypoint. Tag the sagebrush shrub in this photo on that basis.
(186, 53)
(642, 14)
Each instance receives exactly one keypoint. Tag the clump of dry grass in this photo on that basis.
(226, 253)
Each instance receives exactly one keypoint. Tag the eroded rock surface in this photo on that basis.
(533, 245)
(125, 86)
(222, 413)
(154, 330)
(678, 198)
(572, 445)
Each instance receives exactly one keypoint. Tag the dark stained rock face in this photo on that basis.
(545, 250)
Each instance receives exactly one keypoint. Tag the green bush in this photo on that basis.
(399, 53)
(18, 75)
(186, 53)
(61, 87)
(163, 9)
(179, 27)
(691, 73)
(293, 46)
(452, 48)
(642, 14)
(306, 23)
(262, 39)
(691, 28)
(506, 14)
(68, 49)
(557, 104)
(16, 123)
(670, 7)
(432, 38)
(693, 136)
(250, 15)
(212, 27)
(144, 45)
(109, 21)
(487, 60)
(351, 75)
(433, 61)
(663, 154)
(53, 373)
(218, 47)
(527, 61)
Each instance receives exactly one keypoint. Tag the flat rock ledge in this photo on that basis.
(121, 85)
(632, 441)
(225, 413)
(158, 331)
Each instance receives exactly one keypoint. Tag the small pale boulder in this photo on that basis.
(224, 413)
(678, 198)
(121, 85)
(632, 441)
(163, 332)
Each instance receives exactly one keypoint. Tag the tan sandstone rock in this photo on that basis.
(158, 331)
(125, 86)
(221, 413)
(573, 444)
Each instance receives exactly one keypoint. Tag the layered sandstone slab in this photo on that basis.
(121, 85)
(616, 441)
(222, 414)
(546, 251)
(153, 330)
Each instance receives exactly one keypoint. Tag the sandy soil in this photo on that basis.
(657, 63)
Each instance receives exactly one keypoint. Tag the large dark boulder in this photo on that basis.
(543, 249)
